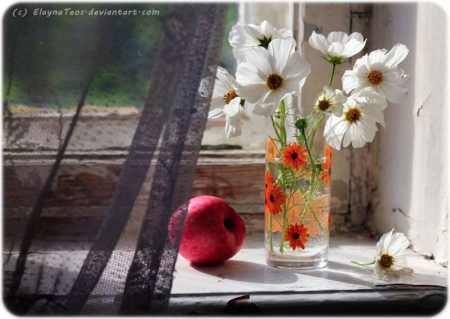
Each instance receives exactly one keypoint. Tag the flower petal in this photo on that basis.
(254, 92)
(375, 60)
(374, 112)
(392, 93)
(378, 270)
(399, 263)
(337, 36)
(296, 67)
(336, 49)
(385, 241)
(217, 102)
(356, 36)
(396, 55)
(259, 57)
(350, 81)
(319, 42)
(267, 29)
(354, 46)
(335, 128)
(280, 51)
(241, 38)
(215, 113)
(271, 101)
(233, 119)
(399, 245)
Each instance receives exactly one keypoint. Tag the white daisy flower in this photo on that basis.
(338, 46)
(225, 100)
(268, 76)
(330, 101)
(244, 36)
(390, 253)
(357, 125)
(379, 70)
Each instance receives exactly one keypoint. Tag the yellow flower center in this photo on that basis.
(353, 115)
(274, 81)
(230, 95)
(324, 105)
(375, 77)
(386, 261)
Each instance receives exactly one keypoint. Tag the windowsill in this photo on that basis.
(245, 284)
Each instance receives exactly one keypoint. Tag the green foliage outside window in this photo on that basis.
(48, 56)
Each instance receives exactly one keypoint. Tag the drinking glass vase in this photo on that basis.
(297, 192)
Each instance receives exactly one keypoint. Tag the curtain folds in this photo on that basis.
(126, 268)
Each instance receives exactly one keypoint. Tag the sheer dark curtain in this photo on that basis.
(102, 126)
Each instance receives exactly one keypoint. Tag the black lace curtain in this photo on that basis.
(68, 69)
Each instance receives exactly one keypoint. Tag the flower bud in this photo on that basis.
(301, 123)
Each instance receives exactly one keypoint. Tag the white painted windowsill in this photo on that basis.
(247, 278)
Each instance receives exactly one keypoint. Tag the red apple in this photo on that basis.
(213, 231)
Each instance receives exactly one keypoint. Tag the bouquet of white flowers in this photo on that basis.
(298, 175)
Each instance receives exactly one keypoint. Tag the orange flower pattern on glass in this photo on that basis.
(295, 202)
(296, 235)
(294, 155)
(268, 179)
(326, 167)
(271, 150)
(328, 221)
(275, 198)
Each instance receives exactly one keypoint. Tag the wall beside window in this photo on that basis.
(411, 193)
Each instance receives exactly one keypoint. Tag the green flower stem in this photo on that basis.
(302, 131)
(314, 127)
(308, 203)
(280, 131)
(282, 123)
(283, 229)
(332, 74)
(315, 218)
(314, 186)
(285, 209)
(362, 264)
(274, 125)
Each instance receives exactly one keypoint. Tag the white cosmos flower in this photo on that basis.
(357, 125)
(268, 76)
(225, 100)
(338, 46)
(233, 117)
(390, 253)
(330, 101)
(244, 36)
(379, 70)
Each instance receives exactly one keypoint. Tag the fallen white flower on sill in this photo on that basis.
(390, 256)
